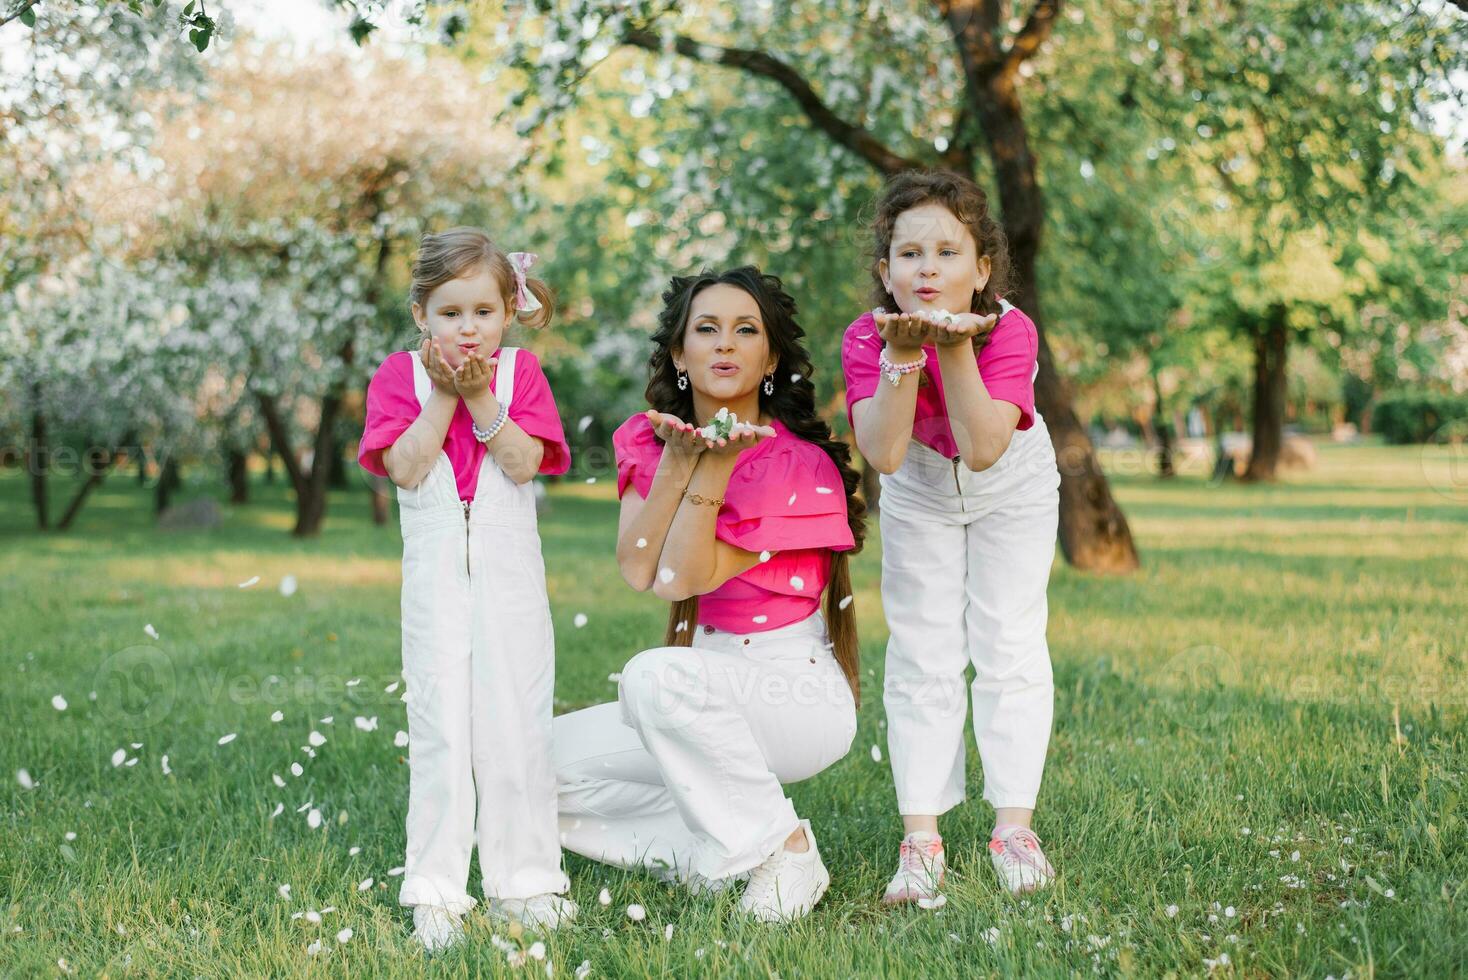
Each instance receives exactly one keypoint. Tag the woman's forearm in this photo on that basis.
(980, 427)
(689, 552)
(639, 563)
(884, 427)
(409, 459)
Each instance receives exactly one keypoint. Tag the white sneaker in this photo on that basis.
(548, 911)
(788, 885)
(436, 928)
(1021, 865)
(920, 870)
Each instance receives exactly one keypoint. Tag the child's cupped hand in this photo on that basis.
(438, 369)
(742, 438)
(475, 375)
(904, 331)
(964, 328)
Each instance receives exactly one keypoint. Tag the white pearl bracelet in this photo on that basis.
(894, 372)
(484, 435)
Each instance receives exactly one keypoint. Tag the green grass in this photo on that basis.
(1255, 674)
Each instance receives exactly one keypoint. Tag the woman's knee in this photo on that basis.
(658, 681)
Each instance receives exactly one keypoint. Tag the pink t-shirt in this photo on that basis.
(392, 406)
(1006, 366)
(786, 497)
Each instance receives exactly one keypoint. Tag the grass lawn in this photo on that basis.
(1257, 766)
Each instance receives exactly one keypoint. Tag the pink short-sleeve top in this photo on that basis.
(392, 406)
(1007, 366)
(786, 497)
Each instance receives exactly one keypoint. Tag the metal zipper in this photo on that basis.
(958, 487)
(466, 535)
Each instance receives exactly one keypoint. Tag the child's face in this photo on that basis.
(934, 262)
(726, 351)
(465, 315)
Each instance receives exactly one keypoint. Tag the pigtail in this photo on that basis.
(541, 318)
(682, 618)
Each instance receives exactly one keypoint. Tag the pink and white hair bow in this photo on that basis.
(521, 262)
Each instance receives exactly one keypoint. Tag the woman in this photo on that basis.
(742, 531)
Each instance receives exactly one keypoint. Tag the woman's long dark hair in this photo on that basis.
(793, 403)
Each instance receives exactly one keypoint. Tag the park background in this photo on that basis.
(1239, 226)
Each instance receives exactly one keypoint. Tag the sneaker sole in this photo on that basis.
(777, 918)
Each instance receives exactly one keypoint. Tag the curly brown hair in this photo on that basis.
(793, 403)
(969, 204)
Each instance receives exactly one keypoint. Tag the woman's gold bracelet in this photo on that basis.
(699, 498)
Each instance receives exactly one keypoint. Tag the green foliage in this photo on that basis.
(1420, 416)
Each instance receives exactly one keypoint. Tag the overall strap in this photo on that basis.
(504, 376)
(1005, 306)
(422, 384)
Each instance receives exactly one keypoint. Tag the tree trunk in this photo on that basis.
(337, 475)
(1271, 347)
(239, 476)
(381, 502)
(38, 461)
(99, 461)
(1164, 427)
(871, 487)
(1094, 535)
(169, 480)
(270, 465)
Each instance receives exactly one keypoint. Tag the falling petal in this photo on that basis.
(1172, 911)
(667, 575)
(394, 872)
(761, 619)
(132, 762)
(584, 970)
(288, 585)
(400, 739)
(354, 682)
(364, 884)
(764, 556)
(876, 754)
(642, 542)
(391, 687)
(824, 490)
(846, 601)
(277, 716)
(119, 757)
(590, 480)
(344, 935)
(249, 581)
(23, 777)
(604, 897)
(70, 835)
(667, 932)
(58, 702)
(296, 769)
(536, 951)
(226, 739)
(316, 738)
(797, 583)
(279, 809)
(164, 763)
(584, 424)
(636, 912)
(353, 852)
(366, 724)
(579, 620)
(284, 891)
(791, 501)
(615, 678)
(313, 819)
(150, 631)
(275, 778)
(314, 948)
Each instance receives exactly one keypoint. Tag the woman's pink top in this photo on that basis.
(1006, 366)
(785, 497)
(392, 406)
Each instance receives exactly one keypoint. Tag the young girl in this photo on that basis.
(942, 402)
(462, 426)
(744, 531)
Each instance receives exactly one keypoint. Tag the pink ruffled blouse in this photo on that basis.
(392, 406)
(1006, 365)
(785, 497)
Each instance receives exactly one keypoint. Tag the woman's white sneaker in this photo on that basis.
(788, 884)
(920, 870)
(548, 911)
(1020, 862)
(436, 928)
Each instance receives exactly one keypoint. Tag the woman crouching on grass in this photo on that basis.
(742, 529)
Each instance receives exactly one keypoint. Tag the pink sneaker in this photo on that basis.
(920, 870)
(1020, 863)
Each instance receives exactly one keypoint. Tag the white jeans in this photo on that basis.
(479, 661)
(684, 774)
(965, 562)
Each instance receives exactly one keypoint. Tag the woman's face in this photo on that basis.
(933, 262)
(726, 351)
(465, 315)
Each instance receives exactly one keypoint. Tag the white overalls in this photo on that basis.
(478, 658)
(965, 563)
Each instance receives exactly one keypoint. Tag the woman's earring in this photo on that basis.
(682, 381)
(769, 384)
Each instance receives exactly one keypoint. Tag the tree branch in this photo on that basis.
(1030, 37)
(18, 11)
(849, 135)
